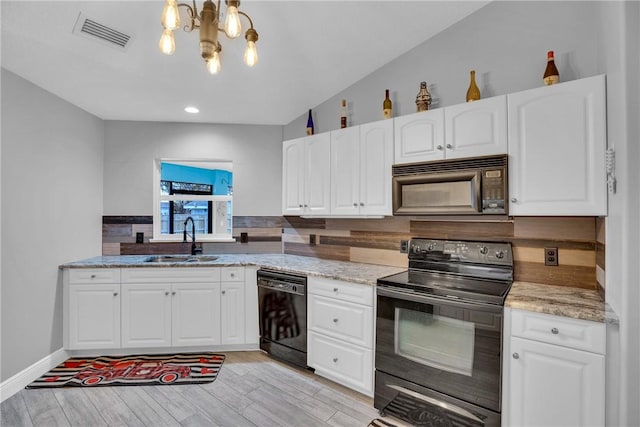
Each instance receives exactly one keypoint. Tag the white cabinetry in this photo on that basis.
(306, 174)
(340, 336)
(232, 318)
(554, 371)
(361, 159)
(92, 319)
(557, 143)
(466, 130)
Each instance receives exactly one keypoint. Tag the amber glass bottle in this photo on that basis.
(551, 74)
(473, 93)
(343, 114)
(387, 106)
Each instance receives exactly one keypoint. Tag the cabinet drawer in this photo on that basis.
(564, 331)
(341, 362)
(338, 289)
(94, 275)
(170, 275)
(232, 274)
(340, 319)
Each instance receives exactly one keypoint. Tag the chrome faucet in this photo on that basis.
(194, 249)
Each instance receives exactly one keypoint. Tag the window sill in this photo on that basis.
(199, 239)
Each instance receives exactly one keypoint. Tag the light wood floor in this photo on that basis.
(251, 389)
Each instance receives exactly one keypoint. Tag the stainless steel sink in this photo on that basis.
(180, 258)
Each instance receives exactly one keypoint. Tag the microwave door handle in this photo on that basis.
(444, 405)
(477, 189)
(425, 299)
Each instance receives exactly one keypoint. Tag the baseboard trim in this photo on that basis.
(12, 385)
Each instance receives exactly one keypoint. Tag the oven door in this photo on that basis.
(446, 345)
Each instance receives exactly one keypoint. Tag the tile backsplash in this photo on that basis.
(580, 241)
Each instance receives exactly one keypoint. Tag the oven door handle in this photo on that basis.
(444, 405)
(426, 299)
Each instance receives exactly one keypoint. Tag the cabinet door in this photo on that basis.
(232, 313)
(345, 171)
(293, 176)
(195, 314)
(476, 128)
(146, 315)
(557, 144)
(318, 175)
(554, 385)
(376, 158)
(419, 137)
(94, 316)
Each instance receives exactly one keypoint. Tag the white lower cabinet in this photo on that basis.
(232, 313)
(146, 315)
(93, 316)
(340, 332)
(554, 371)
(195, 314)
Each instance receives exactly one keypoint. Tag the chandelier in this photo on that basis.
(207, 22)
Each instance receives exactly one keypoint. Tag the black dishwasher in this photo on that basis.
(282, 301)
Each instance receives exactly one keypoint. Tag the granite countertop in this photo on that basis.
(577, 303)
(339, 270)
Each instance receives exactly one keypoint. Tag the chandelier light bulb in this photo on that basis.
(251, 54)
(170, 15)
(232, 26)
(167, 43)
(213, 64)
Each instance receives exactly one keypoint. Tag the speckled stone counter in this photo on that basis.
(339, 270)
(585, 304)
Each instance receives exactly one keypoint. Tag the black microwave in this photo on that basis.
(470, 186)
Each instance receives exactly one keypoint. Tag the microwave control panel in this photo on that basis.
(493, 190)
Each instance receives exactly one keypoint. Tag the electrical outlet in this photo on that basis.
(244, 237)
(404, 246)
(312, 239)
(550, 256)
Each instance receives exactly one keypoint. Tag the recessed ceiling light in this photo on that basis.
(192, 110)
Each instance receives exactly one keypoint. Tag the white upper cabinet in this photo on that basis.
(306, 174)
(361, 159)
(419, 137)
(476, 128)
(557, 143)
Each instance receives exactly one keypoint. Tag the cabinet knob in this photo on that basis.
(439, 147)
(335, 320)
(306, 206)
(514, 200)
(93, 276)
(449, 146)
(516, 356)
(554, 331)
(224, 292)
(335, 289)
(166, 293)
(335, 360)
(361, 204)
(173, 293)
(232, 274)
(355, 205)
(115, 294)
(299, 206)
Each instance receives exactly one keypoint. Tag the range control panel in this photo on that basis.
(461, 251)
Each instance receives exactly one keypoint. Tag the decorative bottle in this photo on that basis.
(473, 93)
(343, 114)
(423, 100)
(387, 112)
(310, 124)
(551, 74)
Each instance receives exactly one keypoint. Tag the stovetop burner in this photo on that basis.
(471, 271)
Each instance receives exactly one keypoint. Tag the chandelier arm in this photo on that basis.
(246, 16)
(193, 15)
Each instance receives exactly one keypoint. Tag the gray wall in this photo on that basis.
(52, 169)
(505, 42)
(131, 147)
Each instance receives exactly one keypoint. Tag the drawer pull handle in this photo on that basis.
(335, 360)
(166, 293)
(335, 320)
(554, 331)
(115, 294)
(93, 276)
(516, 356)
(335, 289)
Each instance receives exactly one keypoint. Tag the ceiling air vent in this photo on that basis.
(90, 28)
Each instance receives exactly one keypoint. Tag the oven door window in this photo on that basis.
(441, 342)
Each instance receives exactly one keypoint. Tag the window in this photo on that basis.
(200, 189)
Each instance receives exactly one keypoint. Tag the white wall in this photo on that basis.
(505, 42)
(131, 147)
(51, 213)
